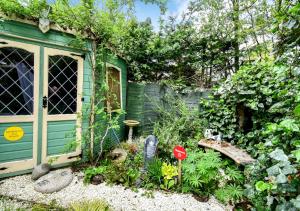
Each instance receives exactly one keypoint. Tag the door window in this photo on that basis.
(62, 85)
(16, 81)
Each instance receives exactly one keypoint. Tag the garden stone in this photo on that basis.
(40, 170)
(138, 183)
(149, 149)
(96, 180)
(53, 182)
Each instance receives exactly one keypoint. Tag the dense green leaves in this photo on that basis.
(206, 173)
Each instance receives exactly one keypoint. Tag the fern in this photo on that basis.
(201, 175)
(201, 168)
(195, 181)
(235, 175)
(229, 193)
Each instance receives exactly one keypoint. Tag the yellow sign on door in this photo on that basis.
(13, 133)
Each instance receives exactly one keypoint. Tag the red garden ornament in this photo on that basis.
(179, 152)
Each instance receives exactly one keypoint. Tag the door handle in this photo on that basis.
(45, 102)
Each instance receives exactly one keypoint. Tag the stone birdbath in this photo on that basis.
(131, 124)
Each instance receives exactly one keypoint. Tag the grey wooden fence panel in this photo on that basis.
(143, 99)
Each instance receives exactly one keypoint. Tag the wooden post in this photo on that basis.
(180, 154)
(179, 172)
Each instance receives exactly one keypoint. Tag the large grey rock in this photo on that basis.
(40, 170)
(54, 181)
(149, 149)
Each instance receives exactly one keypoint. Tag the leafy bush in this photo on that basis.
(154, 171)
(126, 172)
(169, 172)
(229, 193)
(53, 205)
(92, 205)
(206, 173)
(270, 94)
(90, 172)
(178, 125)
(200, 170)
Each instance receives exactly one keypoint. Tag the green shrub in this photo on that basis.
(229, 193)
(45, 207)
(205, 173)
(154, 171)
(93, 205)
(126, 172)
(169, 172)
(200, 171)
(270, 94)
(90, 172)
(177, 125)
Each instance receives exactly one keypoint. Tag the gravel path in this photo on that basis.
(21, 187)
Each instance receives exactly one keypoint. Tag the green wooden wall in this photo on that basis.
(19, 150)
(143, 99)
(60, 136)
(112, 59)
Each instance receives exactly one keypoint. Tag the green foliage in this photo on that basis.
(206, 173)
(177, 125)
(261, 88)
(125, 173)
(29, 9)
(90, 172)
(262, 186)
(154, 171)
(257, 108)
(148, 194)
(91, 205)
(229, 193)
(234, 174)
(286, 26)
(169, 172)
(200, 170)
(44, 207)
(270, 94)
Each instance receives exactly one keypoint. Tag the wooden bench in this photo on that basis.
(236, 154)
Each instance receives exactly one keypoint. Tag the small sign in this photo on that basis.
(179, 152)
(13, 133)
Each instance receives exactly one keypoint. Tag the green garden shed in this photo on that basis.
(45, 90)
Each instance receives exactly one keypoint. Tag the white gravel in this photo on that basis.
(21, 187)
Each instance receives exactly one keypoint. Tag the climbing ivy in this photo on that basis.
(258, 110)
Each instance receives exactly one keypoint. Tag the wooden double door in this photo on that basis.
(40, 106)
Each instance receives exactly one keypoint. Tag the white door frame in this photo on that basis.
(27, 163)
(73, 156)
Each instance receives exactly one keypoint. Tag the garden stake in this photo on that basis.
(180, 154)
(179, 172)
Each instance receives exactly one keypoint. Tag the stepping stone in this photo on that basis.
(54, 181)
(40, 170)
(233, 152)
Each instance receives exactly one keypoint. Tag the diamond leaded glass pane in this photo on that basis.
(62, 85)
(16, 81)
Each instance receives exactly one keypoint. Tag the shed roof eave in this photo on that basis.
(53, 26)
